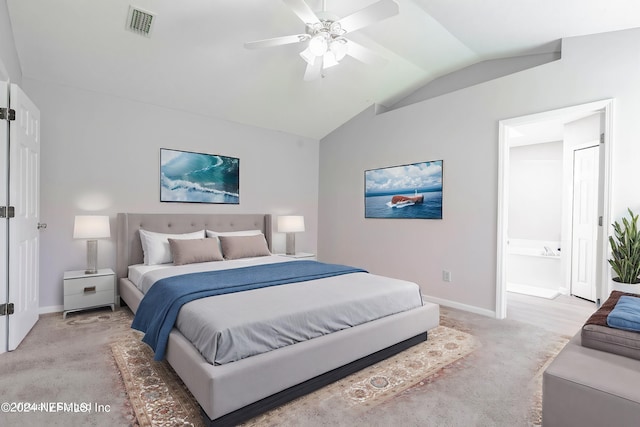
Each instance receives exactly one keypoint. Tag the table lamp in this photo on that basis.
(291, 224)
(91, 227)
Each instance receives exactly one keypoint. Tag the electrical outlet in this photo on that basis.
(446, 275)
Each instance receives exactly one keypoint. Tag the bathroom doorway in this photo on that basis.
(550, 235)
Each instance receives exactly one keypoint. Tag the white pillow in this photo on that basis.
(155, 246)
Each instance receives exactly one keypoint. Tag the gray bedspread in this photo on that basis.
(226, 328)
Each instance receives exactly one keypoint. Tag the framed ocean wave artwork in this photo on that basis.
(406, 191)
(198, 177)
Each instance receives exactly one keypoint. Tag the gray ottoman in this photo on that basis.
(587, 387)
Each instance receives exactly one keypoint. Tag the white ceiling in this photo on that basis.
(195, 59)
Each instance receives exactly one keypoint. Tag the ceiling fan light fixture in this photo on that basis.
(339, 48)
(308, 56)
(329, 60)
(318, 45)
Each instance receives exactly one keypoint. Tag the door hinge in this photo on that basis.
(7, 212)
(7, 114)
(602, 138)
(6, 309)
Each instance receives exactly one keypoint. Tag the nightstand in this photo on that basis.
(300, 255)
(83, 291)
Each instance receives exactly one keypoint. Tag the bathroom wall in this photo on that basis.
(535, 191)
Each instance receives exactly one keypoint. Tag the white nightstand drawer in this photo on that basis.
(82, 290)
(88, 285)
(89, 299)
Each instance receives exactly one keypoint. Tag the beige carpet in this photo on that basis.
(71, 360)
(159, 397)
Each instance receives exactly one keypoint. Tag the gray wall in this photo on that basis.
(100, 154)
(474, 74)
(461, 128)
(9, 62)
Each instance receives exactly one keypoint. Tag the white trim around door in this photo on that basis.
(504, 140)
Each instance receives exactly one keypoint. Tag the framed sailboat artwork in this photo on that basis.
(198, 177)
(406, 191)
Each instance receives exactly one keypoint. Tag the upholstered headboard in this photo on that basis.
(129, 248)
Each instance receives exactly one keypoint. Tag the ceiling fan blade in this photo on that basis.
(369, 15)
(314, 70)
(364, 54)
(276, 41)
(303, 11)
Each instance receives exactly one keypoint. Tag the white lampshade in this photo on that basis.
(91, 227)
(339, 48)
(318, 45)
(290, 223)
(329, 60)
(310, 57)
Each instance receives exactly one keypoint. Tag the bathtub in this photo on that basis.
(534, 268)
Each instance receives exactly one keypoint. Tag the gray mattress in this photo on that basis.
(231, 327)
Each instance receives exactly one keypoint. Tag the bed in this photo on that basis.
(230, 393)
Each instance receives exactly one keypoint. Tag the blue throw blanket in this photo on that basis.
(159, 308)
(626, 314)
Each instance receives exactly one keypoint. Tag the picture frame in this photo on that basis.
(411, 191)
(190, 177)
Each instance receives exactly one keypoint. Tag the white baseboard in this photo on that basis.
(51, 309)
(460, 306)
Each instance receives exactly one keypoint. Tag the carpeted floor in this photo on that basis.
(159, 398)
(67, 362)
(498, 384)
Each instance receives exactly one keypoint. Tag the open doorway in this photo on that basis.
(550, 229)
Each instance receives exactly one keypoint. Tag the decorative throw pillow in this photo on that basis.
(156, 245)
(216, 234)
(626, 314)
(234, 247)
(194, 250)
(211, 233)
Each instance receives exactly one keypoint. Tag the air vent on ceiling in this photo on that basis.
(140, 21)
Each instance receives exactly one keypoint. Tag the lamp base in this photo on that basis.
(92, 257)
(291, 244)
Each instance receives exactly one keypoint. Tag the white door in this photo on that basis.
(4, 153)
(24, 196)
(585, 222)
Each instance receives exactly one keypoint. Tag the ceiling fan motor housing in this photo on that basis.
(327, 35)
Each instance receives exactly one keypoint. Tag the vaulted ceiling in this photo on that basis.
(195, 59)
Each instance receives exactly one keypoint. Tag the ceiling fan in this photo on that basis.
(325, 35)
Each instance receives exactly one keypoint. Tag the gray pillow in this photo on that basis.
(194, 250)
(234, 247)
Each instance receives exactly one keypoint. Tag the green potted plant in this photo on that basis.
(625, 254)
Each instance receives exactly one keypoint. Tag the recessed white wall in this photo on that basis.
(535, 191)
(462, 129)
(102, 153)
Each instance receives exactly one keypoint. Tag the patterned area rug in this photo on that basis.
(159, 397)
(535, 411)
